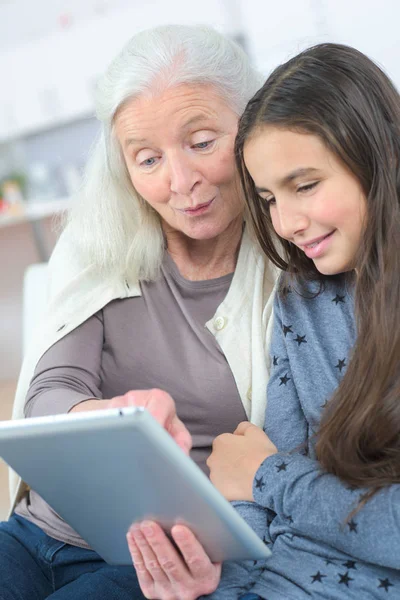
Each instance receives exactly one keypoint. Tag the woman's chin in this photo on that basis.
(203, 229)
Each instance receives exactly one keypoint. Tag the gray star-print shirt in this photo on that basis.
(300, 511)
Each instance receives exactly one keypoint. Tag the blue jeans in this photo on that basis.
(34, 566)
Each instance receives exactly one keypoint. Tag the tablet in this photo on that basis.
(103, 470)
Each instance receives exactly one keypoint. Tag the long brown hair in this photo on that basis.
(340, 95)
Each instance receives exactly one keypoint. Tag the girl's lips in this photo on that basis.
(199, 209)
(315, 249)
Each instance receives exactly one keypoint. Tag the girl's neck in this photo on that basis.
(198, 260)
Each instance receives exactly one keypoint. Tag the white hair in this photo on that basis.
(112, 227)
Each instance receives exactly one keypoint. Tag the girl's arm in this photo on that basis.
(317, 504)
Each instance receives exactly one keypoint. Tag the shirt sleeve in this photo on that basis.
(317, 504)
(69, 372)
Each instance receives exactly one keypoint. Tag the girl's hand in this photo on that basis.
(165, 575)
(236, 458)
(159, 404)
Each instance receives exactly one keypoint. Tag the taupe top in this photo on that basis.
(157, 339)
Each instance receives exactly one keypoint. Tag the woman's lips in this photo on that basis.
(315, 248)
(197, 210)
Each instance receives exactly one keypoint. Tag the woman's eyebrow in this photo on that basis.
(133, 141)
(196, 119)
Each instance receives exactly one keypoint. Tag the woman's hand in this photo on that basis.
(236, 458)
(159, 404)
(165, 575)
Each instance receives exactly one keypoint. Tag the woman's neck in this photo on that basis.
(198, 260)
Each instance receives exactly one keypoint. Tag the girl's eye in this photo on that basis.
(308, 187)
(268, 201)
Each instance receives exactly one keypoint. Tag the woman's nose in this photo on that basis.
(183, 176)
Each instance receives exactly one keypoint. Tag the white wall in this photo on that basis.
(17, 251)
(278, 30)
(50, 78)
(51, 51)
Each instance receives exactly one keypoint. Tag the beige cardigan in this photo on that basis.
(241, 324)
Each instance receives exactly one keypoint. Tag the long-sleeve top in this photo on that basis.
(241, 324)
(317, 550)
(158, 340)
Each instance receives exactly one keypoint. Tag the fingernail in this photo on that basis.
(147, 529)
(179, 533)
(135, 528)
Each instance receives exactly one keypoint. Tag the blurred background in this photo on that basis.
(51, 54)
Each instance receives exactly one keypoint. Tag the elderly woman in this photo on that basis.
(155, 284)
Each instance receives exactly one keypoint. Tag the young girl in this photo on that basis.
(318, 149)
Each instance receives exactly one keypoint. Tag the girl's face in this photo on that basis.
(315, 202)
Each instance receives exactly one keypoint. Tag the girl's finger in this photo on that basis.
(242, 428)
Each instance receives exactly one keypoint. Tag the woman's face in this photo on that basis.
(178, 147)
(315, 202)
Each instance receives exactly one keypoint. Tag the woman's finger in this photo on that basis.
(168, 558)
(149, 558)
(145, 580)
(162, 407)
(180, 434)
(197, 560)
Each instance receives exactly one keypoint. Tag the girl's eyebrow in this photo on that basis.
(300, 172)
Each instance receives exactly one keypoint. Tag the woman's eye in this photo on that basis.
(148, 162)
(308, 187)
(203, 145)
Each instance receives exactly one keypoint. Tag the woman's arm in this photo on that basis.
(67, 379)
(69, 372)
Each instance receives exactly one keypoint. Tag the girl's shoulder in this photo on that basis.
(328, 297)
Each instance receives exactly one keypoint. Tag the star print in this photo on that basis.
(385, 583)
(284, 380)
(337, 299)
(350, 564)
(266, 542)
(301, 339)
(351, 488)
(260, 485)
(287, 329)
(352, 525)
(281, 467)
(286, 290)
(317, 577)
(344, 578)
(290, 520)
(341, 364)
(275, 360)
